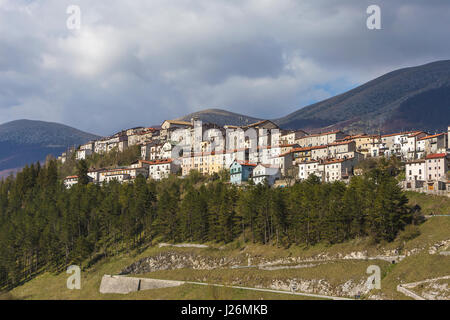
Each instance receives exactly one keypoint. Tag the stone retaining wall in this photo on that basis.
(124, 285)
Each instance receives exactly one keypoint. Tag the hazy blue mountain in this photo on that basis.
(27, 141)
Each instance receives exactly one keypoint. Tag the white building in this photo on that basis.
(83, 154)
(320, 139)
(415, 170)
(292, 136)
(141, 137)
(436, 143)
(115, 175)
(122, 174)
(283, 161)
(161, 169)
(402, 144)
(107, 144)
(70, 181)
(410, 149)
(263, 172)
(305, 169)
(429, 174)
(437, 166)
(165, 151)
(338, 169)
(415, 174)
(154, 151)
(95, 175)
(63, 158)
(328, 170)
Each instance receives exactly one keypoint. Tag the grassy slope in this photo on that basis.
(430, 203)
(423, 265)
(335, 273)
(414, 268)
(53, 286)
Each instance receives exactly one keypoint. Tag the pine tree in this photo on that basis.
(82, 172)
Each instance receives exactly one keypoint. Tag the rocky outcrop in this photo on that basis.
(429, 289)
(349, 288)
(390, 256)
(440, 246)
(178, 260)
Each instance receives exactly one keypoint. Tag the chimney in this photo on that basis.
(448, 137)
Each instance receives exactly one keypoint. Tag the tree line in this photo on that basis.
(44, 226)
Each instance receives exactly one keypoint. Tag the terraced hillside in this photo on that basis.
(338, 270)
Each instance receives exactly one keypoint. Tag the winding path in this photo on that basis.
(270, 290)
(124, 285)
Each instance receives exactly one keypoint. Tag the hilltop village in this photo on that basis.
(262, 152)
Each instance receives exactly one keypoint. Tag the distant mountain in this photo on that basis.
(26, 141)
(220, 117)
(410, 98)
(405, 99)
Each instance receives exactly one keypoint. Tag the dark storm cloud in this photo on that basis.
(145, 61)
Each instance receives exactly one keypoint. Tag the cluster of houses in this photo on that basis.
(262, 151)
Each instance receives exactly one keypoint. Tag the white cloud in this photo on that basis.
(144, 61)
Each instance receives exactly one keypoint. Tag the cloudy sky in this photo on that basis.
(142, 61)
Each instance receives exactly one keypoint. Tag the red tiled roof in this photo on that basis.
(336, 160)
(284, 154)
(308, 148)
(286, 145)
(301, 149)
(433, 136)
(321, 134)
(338, 143)
(417, 133)
(310, 161)
(398, 133)
(179, 122)
(257, 123)
(118, 169)
(236, 150)
(165, 161)
(246, 163)
(436, 156)
(70, 177)
(362, 135)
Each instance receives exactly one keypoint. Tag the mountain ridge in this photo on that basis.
(409, 98)
(220, 117)
(26, 141)
(416, 97)
(377, 104)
